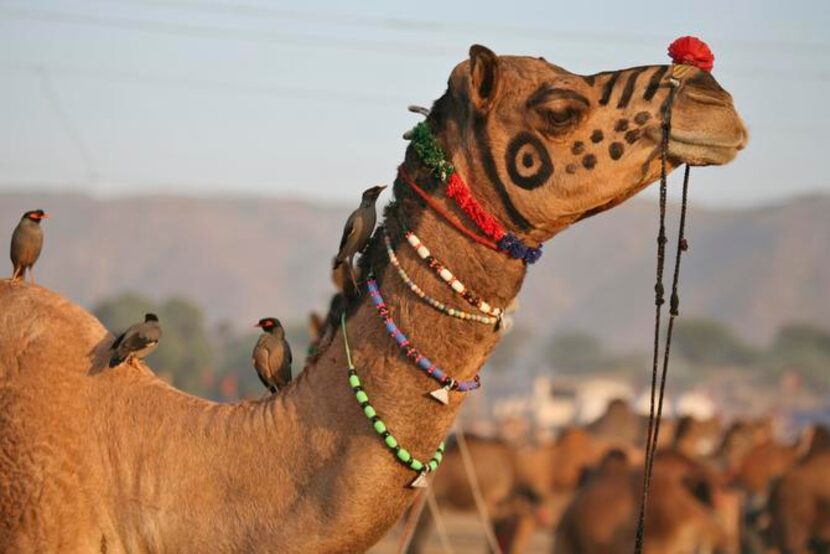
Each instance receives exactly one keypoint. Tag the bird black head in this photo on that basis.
(269, 324)
(371, 194)
(150, 317)
(35, 215)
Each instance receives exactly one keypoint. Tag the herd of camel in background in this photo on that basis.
(735, 489)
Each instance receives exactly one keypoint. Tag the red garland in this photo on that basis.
(458, 190)
(408, 180)
(692, 51)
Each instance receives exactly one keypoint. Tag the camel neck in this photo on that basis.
(347, 450)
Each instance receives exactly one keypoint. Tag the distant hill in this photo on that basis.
(245, 258)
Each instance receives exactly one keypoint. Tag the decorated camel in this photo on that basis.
(94, 459)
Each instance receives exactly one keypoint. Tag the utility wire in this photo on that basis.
(227, 33)
(247, 10)
(68, 126)
(200, 85)
(382, 46)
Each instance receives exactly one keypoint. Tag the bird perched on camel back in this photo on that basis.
(272, 355)
(137, 342)
(27, 242)
(358, 229)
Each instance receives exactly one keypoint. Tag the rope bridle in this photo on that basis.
(656, 412)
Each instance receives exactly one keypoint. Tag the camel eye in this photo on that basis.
(560, 118)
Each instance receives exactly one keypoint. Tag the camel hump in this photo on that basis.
(42, 331)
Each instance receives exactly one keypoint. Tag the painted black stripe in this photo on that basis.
(483, 144)
(629, 87)
(654, 82)
(609, 88)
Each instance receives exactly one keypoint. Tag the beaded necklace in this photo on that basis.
(437, 304)
(447, 276)
(389, 440)
(432, 155)
(424, 364)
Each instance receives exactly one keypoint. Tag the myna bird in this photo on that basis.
(27, 242)
(137, 342)
(358, 229)
(272, 355)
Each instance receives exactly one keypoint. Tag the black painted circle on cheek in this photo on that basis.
(536, 166)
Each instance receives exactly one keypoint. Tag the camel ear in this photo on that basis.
(485, 76)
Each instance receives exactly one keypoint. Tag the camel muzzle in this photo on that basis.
(706, 127)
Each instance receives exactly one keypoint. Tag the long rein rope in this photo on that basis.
(656, 413)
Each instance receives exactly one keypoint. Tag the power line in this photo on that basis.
(225, 33)
(294, 39)
(68, 126)
(200, 85)
(443, 26)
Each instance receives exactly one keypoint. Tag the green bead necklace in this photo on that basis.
(391, 443)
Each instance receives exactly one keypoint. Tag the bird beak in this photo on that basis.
(44, 216)
(256, 325)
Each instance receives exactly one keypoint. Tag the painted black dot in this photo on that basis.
(527, 159)
(615, 150)
(571, 168)
(632, 136)
(589, 161)
(596, 136)
(622, 125)
(578, 148)
(641, 118)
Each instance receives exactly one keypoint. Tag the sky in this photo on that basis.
(308, 99)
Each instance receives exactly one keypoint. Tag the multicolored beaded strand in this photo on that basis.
(424, 364)
(437, 304)
(447, 276)
(401, 454)
(432, 155)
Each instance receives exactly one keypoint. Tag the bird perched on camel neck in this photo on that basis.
(137, 342)
(27, 242)
(358, 230)
(272, 355)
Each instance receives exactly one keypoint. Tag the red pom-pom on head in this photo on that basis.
(692, 51)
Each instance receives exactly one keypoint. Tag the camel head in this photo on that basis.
(544, 147)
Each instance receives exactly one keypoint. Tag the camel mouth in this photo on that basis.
(704, 150)
(701, 149)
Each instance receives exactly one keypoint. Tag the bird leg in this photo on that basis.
(17, 270)
(32, 275)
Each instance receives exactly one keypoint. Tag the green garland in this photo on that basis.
(391, 443)
(430, 151)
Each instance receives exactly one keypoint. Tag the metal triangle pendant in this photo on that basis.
(420, 482)
(441, 395)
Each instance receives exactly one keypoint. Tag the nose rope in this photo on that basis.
(655, 414)
(684, 52)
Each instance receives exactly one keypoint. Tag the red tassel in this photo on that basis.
(458, 190)
(692, 51)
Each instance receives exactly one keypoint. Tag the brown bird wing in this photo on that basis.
(348, 230)
(262, 361)
(285, 367)
(137, 338)
(27, 242)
